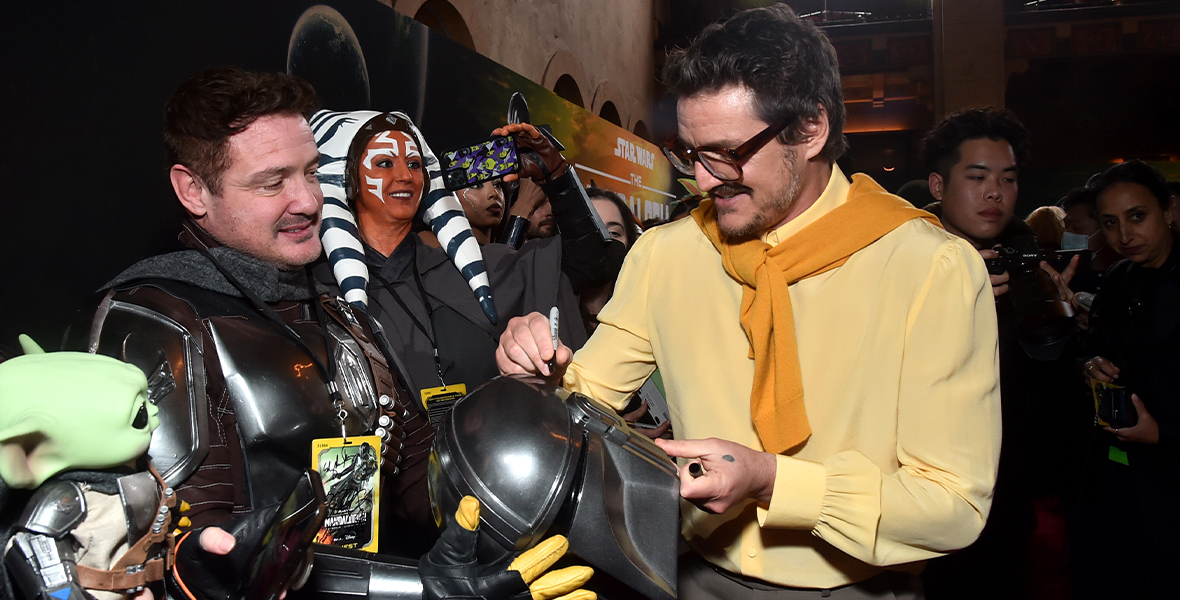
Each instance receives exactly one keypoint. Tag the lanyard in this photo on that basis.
(429, 314)
(327, 372)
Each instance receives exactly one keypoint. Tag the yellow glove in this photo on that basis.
(532, 564)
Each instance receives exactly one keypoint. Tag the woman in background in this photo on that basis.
(1125, 536)
(483, 204)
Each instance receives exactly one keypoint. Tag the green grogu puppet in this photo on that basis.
(75, 427)
(70, 410)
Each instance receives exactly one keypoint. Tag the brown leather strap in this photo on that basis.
(118, 578)
(386, 383)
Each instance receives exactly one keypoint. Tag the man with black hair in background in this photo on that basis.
(974, 157)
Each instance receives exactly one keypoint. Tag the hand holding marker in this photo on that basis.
(553, 317)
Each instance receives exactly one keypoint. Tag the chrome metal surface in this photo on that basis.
(140, 496)
(54, 509)
(172, 358)
(280, 400)
(543, 461)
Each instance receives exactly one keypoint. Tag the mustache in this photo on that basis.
(726, 190)
(295, 222)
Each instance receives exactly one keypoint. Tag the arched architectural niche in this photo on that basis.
(568, 89)
(405, 7)
(610, 113)
(638, 125)
(608, 93)
(443, 17)
(640, 129)
(563, 63)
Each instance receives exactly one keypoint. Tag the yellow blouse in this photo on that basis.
(900, 378)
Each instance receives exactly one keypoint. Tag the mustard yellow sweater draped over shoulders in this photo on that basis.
(897, 358)
(765, 272)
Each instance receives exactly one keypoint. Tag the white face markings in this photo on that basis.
(390, 147)
(383, 139)
(374, 186)
(411, 149)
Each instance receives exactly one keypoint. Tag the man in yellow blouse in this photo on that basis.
(828, 352)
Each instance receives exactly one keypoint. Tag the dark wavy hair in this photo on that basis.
(629, 225)
(214, 105)
(1079, 197)
(788, 63)
(941, 147)
(1133, 171)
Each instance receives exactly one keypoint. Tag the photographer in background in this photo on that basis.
(974, 157)
(1127, 519)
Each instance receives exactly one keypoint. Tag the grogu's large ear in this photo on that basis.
(29, 346)
(19, 436)
(14, 454)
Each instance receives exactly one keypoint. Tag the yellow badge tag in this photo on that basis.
(351, 471)
(438, 400)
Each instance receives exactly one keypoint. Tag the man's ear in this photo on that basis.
(190, 190)
(936, 186)
(815, 134)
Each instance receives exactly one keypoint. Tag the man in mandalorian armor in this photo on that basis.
(248, 360)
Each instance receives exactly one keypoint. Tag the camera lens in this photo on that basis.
(455, 179)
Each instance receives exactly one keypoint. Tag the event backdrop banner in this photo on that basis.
(458, 96)
(86, 192)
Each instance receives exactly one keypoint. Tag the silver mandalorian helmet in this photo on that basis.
(543, 461)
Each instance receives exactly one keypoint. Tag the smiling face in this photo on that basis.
(391, 176)
(979, 193)
(769, 190)
(270, 200)
(1135, 224)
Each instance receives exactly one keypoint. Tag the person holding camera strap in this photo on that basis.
(1127, 519)
(974, 157)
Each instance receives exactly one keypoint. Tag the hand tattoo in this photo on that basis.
(728, 458)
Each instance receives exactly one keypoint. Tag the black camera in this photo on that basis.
(1114, 407)
(272, 551)
(1044, 322)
